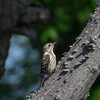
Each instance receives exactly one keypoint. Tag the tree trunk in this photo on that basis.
(14, 15)
(78, 69)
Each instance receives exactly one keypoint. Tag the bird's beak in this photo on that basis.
(54, 43)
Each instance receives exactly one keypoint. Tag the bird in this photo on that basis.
(48, 65)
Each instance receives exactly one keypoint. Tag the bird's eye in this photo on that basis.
(49, 45)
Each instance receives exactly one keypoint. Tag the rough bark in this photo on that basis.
(14, 15)
(78, 69)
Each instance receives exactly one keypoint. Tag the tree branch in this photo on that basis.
(35, 15)
(78, 69)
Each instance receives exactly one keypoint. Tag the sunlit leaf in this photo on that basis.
(50, 33)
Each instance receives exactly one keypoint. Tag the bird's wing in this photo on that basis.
(45, 63)
(44, 67)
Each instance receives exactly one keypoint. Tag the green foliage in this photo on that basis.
(66, 16)
(94, 93)
(49, 32)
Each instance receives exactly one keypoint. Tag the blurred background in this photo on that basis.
(68, 19)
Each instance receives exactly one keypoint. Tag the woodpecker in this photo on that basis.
(48, 62)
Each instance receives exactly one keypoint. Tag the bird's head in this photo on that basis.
(49, 47)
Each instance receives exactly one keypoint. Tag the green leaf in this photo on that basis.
(49, 33)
